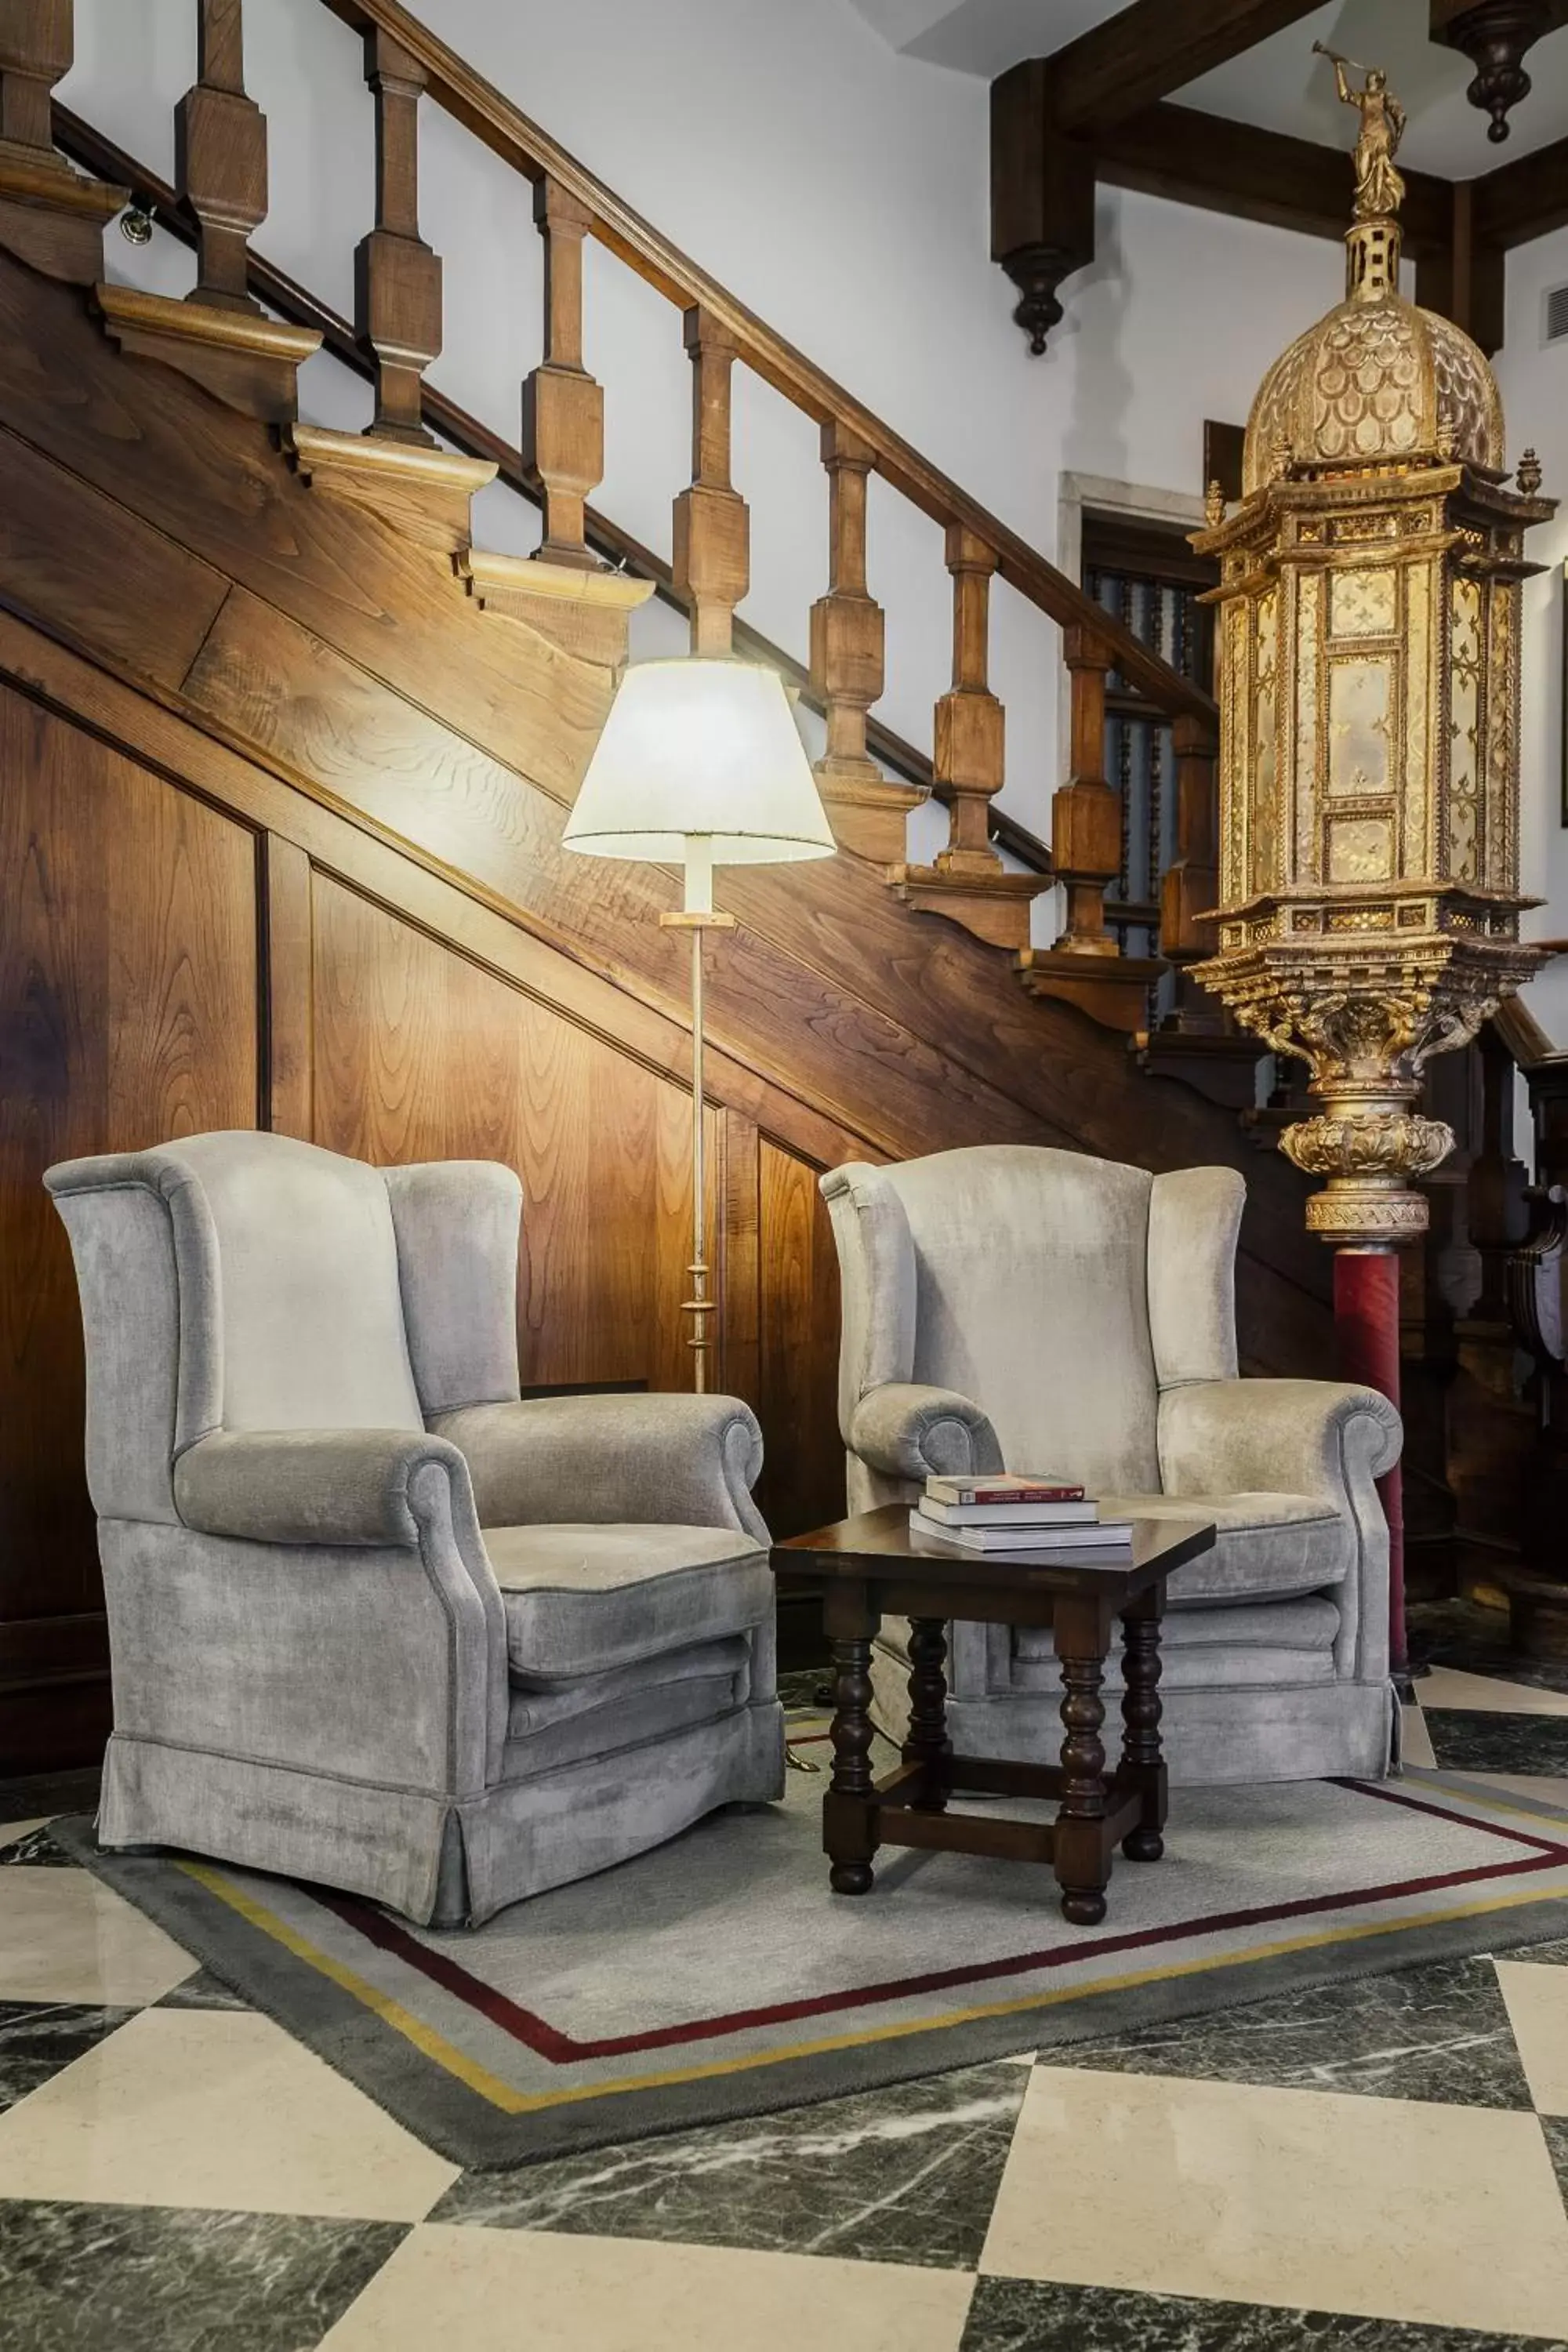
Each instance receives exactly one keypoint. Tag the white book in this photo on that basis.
(1011, 1515)
(1099, 1535)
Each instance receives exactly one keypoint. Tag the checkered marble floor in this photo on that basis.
(1384, 2164)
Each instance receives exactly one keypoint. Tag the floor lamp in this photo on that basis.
(700, 762)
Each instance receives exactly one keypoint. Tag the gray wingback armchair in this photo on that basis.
(1008, 1307)
(374, 1620)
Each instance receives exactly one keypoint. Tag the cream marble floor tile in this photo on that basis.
(1390, 2208)
(1415, 1740)
(1537, 2000)
(1446, 1686)
(216, 2108)
(11, 1831)
(500, 2290)
(64, 1935)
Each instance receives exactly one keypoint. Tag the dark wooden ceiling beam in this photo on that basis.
(1043, 180)
(1525, 199)
(1139, 56)
(1255, 175)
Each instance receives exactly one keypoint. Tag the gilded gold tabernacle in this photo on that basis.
(1369, 686)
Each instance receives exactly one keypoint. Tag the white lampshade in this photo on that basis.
(702, 752)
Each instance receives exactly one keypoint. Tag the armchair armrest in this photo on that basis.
(1298, 1437)
(907, 1430)
(397, 1493)
(683, 1461)
(320, 1486)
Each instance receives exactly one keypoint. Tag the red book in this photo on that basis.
(1002, 1487)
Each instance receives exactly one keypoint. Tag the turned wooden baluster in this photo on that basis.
(970, 722)
(49, 215)
(1086, 815)
(220, 159)
(563, 407)
(36, 47)
(1191, 887)
(713, 544)
(868, 813)
(846, 626)
(398, 278)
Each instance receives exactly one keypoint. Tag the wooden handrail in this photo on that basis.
(502, 127)
(1520, 1033)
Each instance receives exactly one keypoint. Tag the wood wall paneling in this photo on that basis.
(891, 1031)
(128, 1014)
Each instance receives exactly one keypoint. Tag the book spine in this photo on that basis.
(982, 1497)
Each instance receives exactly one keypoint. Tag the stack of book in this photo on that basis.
(1012, 1515)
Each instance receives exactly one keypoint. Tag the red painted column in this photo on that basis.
(1367, 1329)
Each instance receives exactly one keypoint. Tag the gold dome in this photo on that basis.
(1375, 383)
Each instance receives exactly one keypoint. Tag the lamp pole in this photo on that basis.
(697, 915)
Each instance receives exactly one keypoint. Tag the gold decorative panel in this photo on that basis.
(1309, 598)
(1500, 848)
(1232, 705)
(1266, 721)
(1360, 849)
(1419, 692)
(1464, 730)
(1363, 604)
(1360, 726)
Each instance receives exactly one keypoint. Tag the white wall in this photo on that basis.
(1534, 384)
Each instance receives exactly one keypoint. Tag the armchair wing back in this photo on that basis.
(1060, 1294)
(280, 1286)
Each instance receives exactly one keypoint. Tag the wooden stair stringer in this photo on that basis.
(341, 659)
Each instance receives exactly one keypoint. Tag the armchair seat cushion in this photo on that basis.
(1261, 1643)
(606, 1713)
(1265, 1547)
(584, 1600)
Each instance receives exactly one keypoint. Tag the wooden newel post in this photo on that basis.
(398, 278)
(50, 215)
(1086, 815)
(1191, 887)
(713, 528)
(971, 725)
(562, 406)
(220, 158)
(1197, 1040)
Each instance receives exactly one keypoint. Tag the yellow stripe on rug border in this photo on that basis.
(490, 2087)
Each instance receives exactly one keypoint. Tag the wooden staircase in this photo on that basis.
(221, 337)
(288, 759)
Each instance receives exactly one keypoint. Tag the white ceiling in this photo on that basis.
(1279, 84)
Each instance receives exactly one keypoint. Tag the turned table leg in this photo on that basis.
(849, 1810)
(1081, 1861)
(928, 1743)
(1142, 1761)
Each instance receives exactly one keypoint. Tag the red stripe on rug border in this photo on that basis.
(547, 2041)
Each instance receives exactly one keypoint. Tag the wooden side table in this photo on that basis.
(872, 1569)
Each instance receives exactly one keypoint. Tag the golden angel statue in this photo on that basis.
(1379, 188)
